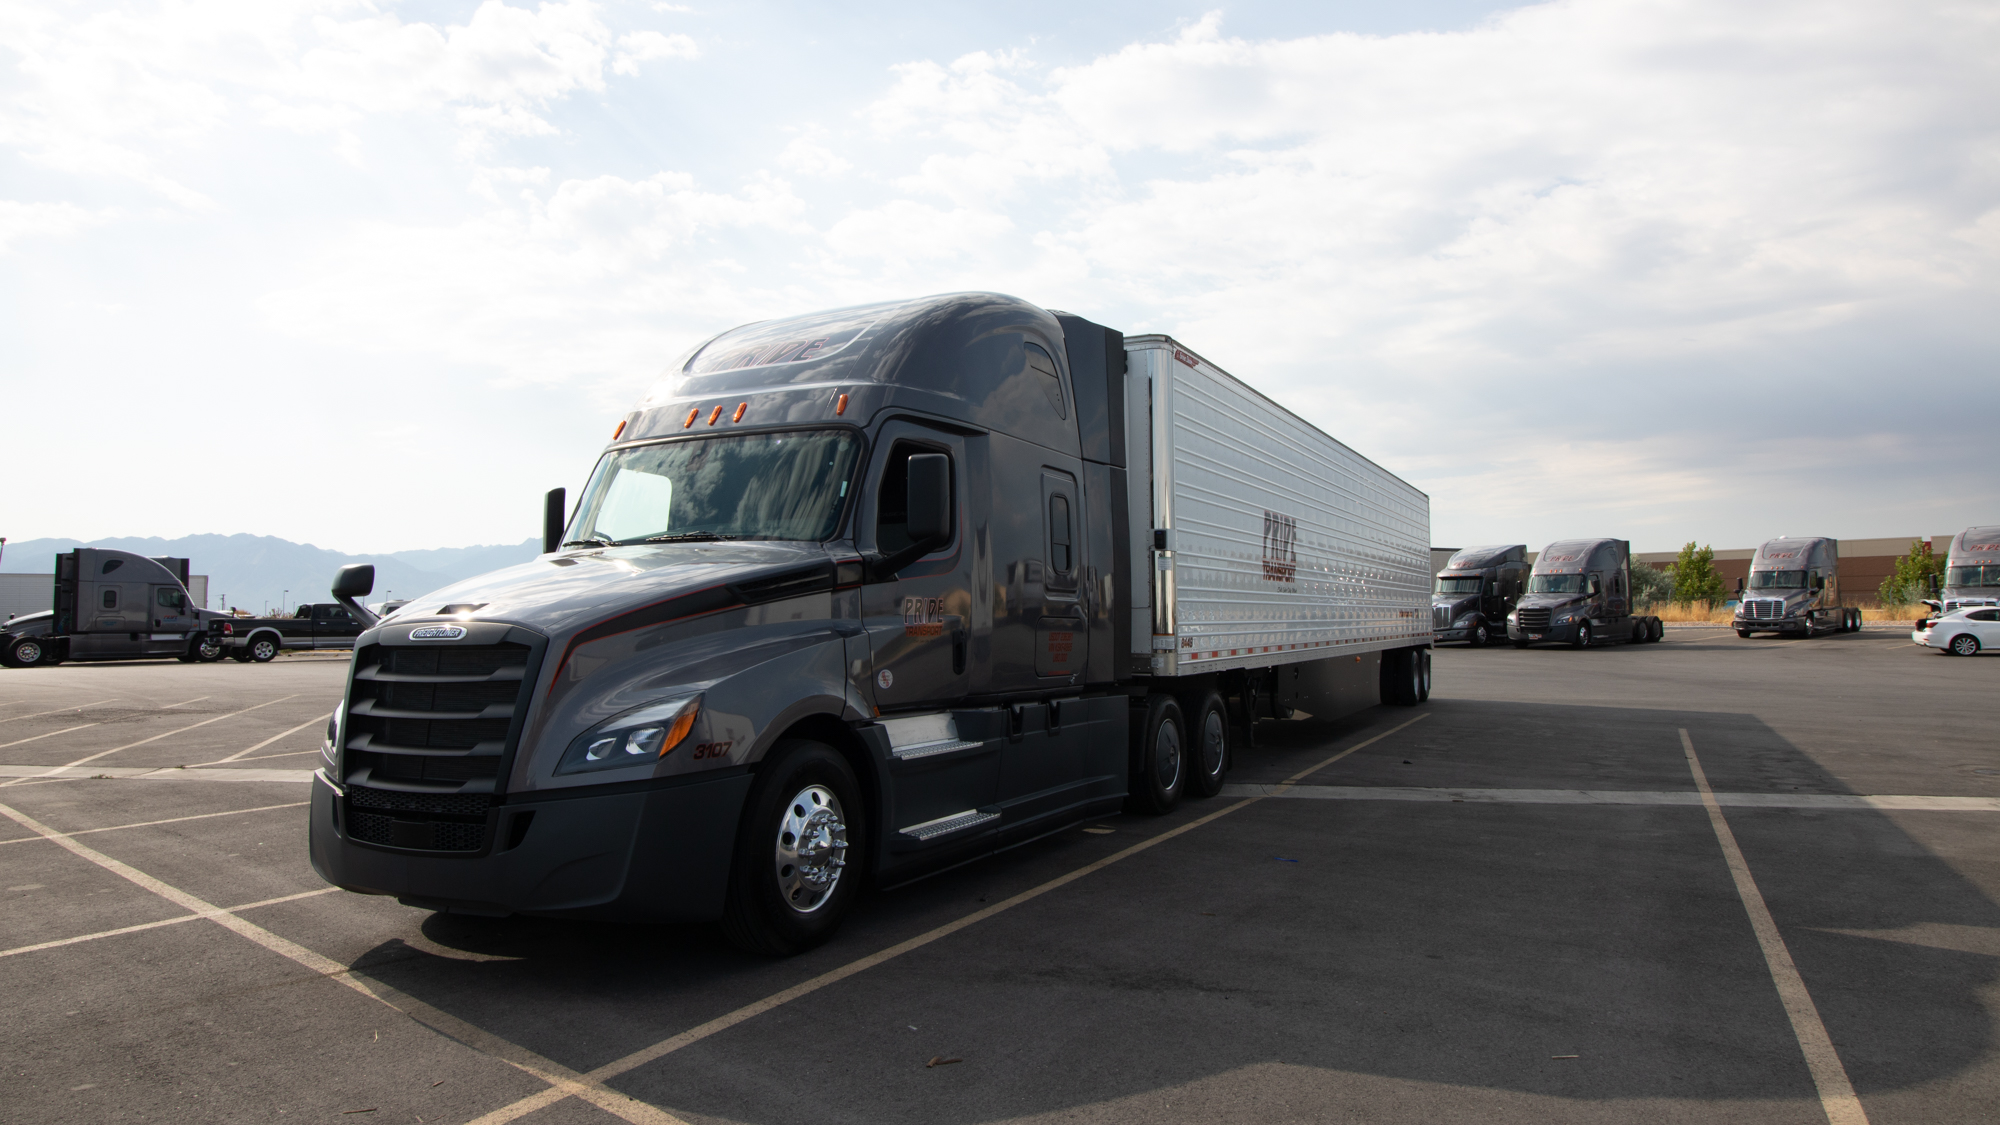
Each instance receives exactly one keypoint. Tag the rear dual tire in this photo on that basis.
(1406, 676)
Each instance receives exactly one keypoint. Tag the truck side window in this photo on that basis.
(169, 599)
(1593, 586)
(1062, 558)
(892, 506)
(110, 599)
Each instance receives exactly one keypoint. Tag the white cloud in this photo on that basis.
(640, 47)
(20, 221)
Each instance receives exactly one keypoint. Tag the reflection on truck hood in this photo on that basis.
(558, 594)
(30, 624)
(1458, 603)
(1550, 601)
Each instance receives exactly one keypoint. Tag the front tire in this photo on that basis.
(1965, 644)
(1477, 637)
(1159, 759)
(1582, 635)
(1211, 746)
(1744, 633)
(26, 653)
(789, 886)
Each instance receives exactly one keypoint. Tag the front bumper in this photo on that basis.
(1770, 624)
(657, 855)
(1560, 634)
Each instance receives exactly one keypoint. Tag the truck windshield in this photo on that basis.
(750, 486)
(1973, 576)
(1458, 585)
(1777, 579)
(1556, 584)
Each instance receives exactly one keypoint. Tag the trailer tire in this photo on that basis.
(1211, 751)
(263, 650)
(1477, 636)
(1402, 677)
(776, 906)
(1159, 759)
(1423, 675)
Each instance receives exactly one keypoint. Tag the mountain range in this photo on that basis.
(259, 571)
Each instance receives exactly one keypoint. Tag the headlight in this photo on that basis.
(331, 749)
(645, 734)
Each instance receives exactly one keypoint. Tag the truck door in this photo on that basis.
(334, 627)
(917, 621)
(172, 618)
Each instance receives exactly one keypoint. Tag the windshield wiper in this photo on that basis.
(590, 541)
(686, 537)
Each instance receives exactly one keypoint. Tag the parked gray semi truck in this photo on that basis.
(1971, 570)
(866, 594)
(113, 605)
(1580, 594)
(1475, 592)
(1794, 587)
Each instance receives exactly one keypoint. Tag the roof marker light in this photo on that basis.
(841, 406)
(714, 414)
(692, 415)
(619, 430)
(740, 408)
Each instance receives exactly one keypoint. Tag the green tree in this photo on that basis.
(1915, 574)
(1695, 579)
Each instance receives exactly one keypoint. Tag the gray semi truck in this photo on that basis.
(1580, 594)
(113, 605)
(1794, 587)
(1475, 592)
(1971, 570)
(863, 595)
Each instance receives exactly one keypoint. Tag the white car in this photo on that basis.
(1962, 632)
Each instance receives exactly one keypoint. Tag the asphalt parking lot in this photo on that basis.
(1510, 904)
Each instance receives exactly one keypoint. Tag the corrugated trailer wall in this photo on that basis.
(1282, 545)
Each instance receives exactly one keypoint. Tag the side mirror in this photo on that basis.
(929, 482)
(352, 583)
(552, 520)
(1739, 586)
(357, 581)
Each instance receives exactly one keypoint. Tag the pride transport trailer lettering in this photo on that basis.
(1794, 587)
(865, 594)
(1580, 594)
(1476, 590)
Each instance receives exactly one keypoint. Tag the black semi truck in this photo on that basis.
(862, 595)
(1580, 594)
(1476, 590)
(113, 605)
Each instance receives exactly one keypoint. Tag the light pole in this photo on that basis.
(284, 603)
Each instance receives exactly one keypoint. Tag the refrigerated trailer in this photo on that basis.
(863, 595)
(1794, 587)
(1580, 594)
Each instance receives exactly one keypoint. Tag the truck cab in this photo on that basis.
(113, 605)
(1476, 590)
(1794, 587)
(1580, 593)
(1972, 570)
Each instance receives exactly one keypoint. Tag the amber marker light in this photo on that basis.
(740, 408)
(619, 430)
(714, 414)
(840, 407)
(692, 415)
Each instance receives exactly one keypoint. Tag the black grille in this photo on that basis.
(1533, 618)
(453, 804)
(431, 735)
(435, 835)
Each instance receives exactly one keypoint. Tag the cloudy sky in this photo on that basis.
(374, 275)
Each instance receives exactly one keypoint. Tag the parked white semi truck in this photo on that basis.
(1794, 587)
(1971, 571)
(862, 595)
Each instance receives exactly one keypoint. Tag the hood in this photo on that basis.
(558, 594)
(1457, 603)
(30, 623)
(1551, 601)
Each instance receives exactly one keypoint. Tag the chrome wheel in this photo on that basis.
(812, 848)
(1167, 756)
(27, 652)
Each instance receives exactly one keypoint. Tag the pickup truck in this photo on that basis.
(320, 625)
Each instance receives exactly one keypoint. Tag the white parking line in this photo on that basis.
(184, 702)
(560, 1077)
(1836, 1093)
(1687, 797)
(101, 753)
(728, 1020)
(169, 820)
(51, 734)
(239, 755)
(57, 711)
(39, 946)
(31, 775)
